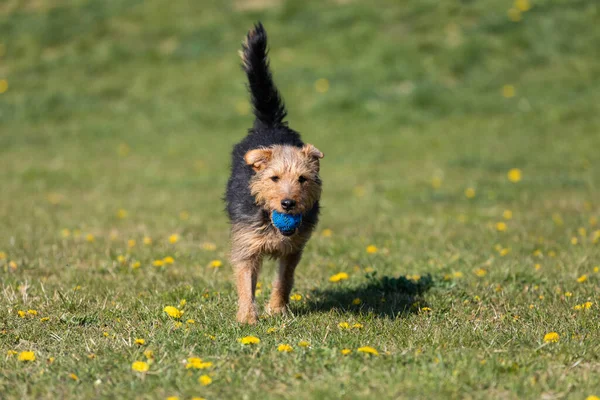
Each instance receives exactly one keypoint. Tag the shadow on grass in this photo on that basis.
(383, 296)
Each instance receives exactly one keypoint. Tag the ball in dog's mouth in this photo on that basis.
(286, 223)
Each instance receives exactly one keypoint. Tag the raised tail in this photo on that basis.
(266, 101)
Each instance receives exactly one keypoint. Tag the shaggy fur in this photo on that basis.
(271, 169)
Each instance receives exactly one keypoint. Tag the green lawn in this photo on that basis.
(116, 122)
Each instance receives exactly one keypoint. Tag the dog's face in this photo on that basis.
(287, 177)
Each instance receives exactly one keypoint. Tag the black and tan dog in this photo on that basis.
(272, 171)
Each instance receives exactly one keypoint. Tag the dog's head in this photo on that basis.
(287, 177)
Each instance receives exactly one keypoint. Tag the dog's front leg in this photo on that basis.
(282, 286)
(246, 272)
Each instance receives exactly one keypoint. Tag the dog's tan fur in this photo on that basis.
(249, 244)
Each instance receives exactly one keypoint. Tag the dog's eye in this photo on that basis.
(302, 179)
(275, 178)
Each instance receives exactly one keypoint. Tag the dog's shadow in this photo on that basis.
(383, 296)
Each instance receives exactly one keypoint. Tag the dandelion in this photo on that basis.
(168, 260)
(271, 330)
(480, 272)
(523, 5)
(425, 309)
(12, 265)
(197, 363)
(357, 326)
(322, 85)
(537, 267)
(551, 337)
(215, 264)
(140, 342)
(205, 380)
(582, 278)
(436, 182)
(140, 366)
(574, 241)
(65, 233)
(11, 353)
(340, 276)
(504, 252)
(32, 312)
(172, 398)
(21, 313)
(90, 238)
(587, 305)
(592, 397)
(344, 325)
(173, 312)
(149, 354)
(158, 263)
(372, 249)
(345, 352)
(121, 213)
(73, 376)
(121, 259)
(457, 274)
(3, 85)
(356, 301)
(174, 238)
(182, 302)
(469, 193)
(596, 269)
(303, 343)
(147, 240)
(105, 334)
(501, 226)
(368, 350)
(27, 356)
(285, 348)
(208, 246)
(44, 319)
(136, 265)
(296, 297)
(190, 322)
(327, 232)
(249, 340)
(515, 175)
(507, 214)
(568, 294)
(131, 243)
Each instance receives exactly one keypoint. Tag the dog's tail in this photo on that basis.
(266, 100)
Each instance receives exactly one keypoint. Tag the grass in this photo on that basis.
(134, 106)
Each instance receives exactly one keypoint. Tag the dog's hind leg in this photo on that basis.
(282, 286)
(246, 272)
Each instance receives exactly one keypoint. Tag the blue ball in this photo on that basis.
(286, 223)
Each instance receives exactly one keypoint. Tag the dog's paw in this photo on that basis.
(277, 309)
(249, 317)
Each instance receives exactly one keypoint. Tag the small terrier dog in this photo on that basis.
(274, 177)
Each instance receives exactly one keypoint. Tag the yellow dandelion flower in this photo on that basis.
(158, 263)
(372, 249)
(344, 325)
(131, 243)
(249, 340)
(537, 267)
(596, 269)
(552, 253)
(147, 240)
(504, 252)
(345, 352)
(140, 342)
(21, 313)
(136, 265)
(480, 272)
(190, 321)
(3, 86)
(27, 356)
(271, 330)
(32, 312)
(582, 278)
(208, 246)
(174, 238)
(358, 325)
(65, 233)
(296, 297)
(457, 274)
(121, 259)
(73, 376)
(198, 398)
(11, 353)
(340, 276)
(12, 265)
(507, 214)
(122, 214)
(368, 350)
(197, 363)
(172, 398)
(587, 305)
(368, 270)
(168, 260)
(501, 226)
(574, 241)
(149, 354)
(303, 343)
(327, 232)
(436, 182)
(105, 334)
(515, 175)
(173, 312)
(90, 238)
(551, 337)
(205, 380)
(322, 85)
(469, 193)
(182, 302)
(140, 366)
(44, 319)
(356, 301)
(523, 5)
(285, 348)
(215, 264)
(568, 294)
(425, 309)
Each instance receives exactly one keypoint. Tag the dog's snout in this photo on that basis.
(288, 204)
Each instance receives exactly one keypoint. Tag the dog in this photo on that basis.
(273, 174)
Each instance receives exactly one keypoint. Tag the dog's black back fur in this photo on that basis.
(269, 129)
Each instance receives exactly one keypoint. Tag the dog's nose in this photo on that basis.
(288, 204)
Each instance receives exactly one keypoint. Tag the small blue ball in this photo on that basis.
(286, 223)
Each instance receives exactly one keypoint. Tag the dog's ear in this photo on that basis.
(311, 151)
(258, 158)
